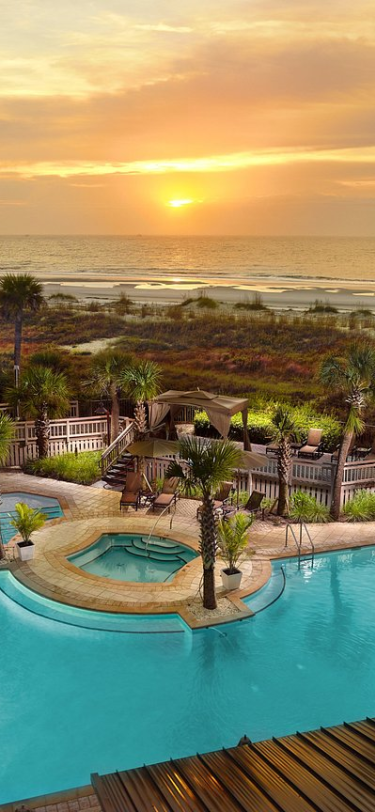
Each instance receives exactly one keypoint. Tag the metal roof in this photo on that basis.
(326, 770)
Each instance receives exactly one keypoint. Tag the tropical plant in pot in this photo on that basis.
(232, 539)
(25, 521)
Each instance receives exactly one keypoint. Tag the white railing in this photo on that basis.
(69, 434)
(117, 448)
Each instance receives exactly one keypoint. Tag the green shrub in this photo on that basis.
(207, 302)
(82, 468)
(361, 508)
(305, 508)
(260, 426)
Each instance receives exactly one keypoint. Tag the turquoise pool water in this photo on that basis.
(133, 557)
(50, 506)
(79, 700)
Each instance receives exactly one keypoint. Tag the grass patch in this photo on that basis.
(84, 468)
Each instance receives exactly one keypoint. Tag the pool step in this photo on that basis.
(268, 594)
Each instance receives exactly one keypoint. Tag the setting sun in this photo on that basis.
(176, 204)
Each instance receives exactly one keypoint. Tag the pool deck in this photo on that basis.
(89, 512)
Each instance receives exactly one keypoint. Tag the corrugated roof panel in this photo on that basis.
(327, 770)
(207, 786)
(271, 783)
(302, 779)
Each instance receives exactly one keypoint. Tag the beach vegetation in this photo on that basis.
(82, 468)
(322, 307)
(206, 302)
(207, 466)
(255, 303)
(353, 377)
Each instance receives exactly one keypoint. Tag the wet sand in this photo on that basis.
(278, 294)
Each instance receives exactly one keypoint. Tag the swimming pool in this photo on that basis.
(133, 557)
(125, 699)
(48, 504)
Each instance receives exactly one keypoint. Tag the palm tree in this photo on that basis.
(353, 378)
(107, 369)
(142, 383)
(42, 394)
(207, 466)
(284, 432)
(19, 294)
(6, 435)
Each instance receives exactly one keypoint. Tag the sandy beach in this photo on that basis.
(278, 294)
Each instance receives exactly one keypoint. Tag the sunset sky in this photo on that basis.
(192, 117)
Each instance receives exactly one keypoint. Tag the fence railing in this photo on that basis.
(68, 434)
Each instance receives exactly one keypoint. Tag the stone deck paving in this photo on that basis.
(92, 511)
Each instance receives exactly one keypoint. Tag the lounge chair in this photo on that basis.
(221, 500)
(131, 494)
(254, 503)
(312, 447)
(168, 494)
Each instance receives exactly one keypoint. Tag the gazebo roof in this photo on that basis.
(198, 397)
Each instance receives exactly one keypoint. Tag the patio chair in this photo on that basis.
(312, 447)
(131, 494)
(254, 503)
(168, 494)
(221, 499)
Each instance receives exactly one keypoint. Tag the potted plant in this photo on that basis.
(27, 520)
(232, 539)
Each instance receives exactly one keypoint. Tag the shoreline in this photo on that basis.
(277, 293)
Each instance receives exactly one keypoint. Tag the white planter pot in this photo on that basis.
(25, 550)
(231, 581)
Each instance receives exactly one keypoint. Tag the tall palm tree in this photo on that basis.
(19, 294)
(142, 383)
(107, 368)
(283, 433)
(6, 435)
(354, 378)
(207, 466)
(42, 394)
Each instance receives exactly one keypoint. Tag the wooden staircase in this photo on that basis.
(115, 461)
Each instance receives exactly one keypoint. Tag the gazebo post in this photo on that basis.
(246, 438)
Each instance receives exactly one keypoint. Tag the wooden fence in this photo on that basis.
(68, 434)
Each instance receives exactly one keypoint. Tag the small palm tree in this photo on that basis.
(142, 383)
(107, 369)
(27, 520)
(284, 432)
(233, 539)
(19, 294)
(42, 394)
(354, 378)
(207, 466)
(6, 435)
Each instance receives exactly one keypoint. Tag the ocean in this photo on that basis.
(222, 260)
